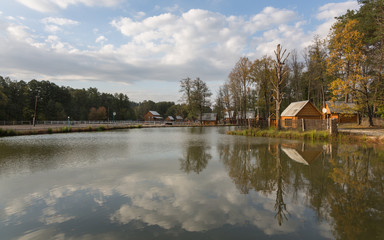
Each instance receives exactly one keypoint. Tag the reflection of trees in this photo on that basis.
(195, 158)
(356, 195)
(344, 185)
(260, 168)
(280, 206)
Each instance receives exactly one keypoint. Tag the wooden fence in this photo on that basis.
(300, 124)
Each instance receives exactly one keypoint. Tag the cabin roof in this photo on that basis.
(341, 107)
(294, 108)
(179, 117)
(209, 117)
(154, 113)
(171, 118)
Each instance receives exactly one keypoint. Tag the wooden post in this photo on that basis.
(34, 116)
(302, 124)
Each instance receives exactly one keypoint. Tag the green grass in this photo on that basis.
(310, 135)
(7, 132)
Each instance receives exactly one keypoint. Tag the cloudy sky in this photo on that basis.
(144, 48)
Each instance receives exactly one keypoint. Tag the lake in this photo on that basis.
(187, 183)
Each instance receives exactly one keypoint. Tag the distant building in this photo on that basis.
(299, 110)
(170, 118)
(152, 116)
(179, 119)
(209, 119)
(343, 112)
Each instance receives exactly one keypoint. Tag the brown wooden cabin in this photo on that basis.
(209, 119)
(343, 112)
(152, 116)
(170, 119)
(179, 119)
(299, 110)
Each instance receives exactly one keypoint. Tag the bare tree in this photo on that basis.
(278, 81)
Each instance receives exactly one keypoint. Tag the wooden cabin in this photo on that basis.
(343, 112)
(179, 119)
(170, 119)
(209, 119)
(152, 116)
(299, 110)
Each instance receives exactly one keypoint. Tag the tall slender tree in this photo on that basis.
(279, 80)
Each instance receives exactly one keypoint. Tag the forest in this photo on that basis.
(19, 98)
(346, 66)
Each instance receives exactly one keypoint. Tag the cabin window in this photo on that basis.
(288, 122)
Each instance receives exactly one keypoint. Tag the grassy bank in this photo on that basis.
(309, 135)
(12, 132)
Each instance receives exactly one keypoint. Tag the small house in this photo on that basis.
(170, 119)
(152, 116)
(209, 119)
(343, 112)
(179, 119)
(299, 110)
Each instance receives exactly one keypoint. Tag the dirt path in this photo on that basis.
(365, 131)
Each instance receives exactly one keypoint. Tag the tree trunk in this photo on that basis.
(370, 114)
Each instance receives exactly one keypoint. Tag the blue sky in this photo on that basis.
(144, 48)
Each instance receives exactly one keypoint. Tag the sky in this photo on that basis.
(144, 48)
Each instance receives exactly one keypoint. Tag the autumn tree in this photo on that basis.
(196, 96)
(347, 63)
(279, 80)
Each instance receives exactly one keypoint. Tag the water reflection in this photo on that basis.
(301, 152)
(195, 158)
(251, 188)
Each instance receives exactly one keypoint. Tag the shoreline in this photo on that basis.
(23, 130)
(340, 137)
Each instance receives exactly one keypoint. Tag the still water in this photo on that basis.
(187, 183)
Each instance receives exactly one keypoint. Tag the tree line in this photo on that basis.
(19, 98)
(347, 66)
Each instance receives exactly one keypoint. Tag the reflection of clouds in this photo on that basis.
(181, 201)
(42, 234)
(139, 191)
(50, 216)
(166, 199)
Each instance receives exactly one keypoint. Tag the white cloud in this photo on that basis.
(54, 25)
(59, 21)
(270, 16)
(328, 12)
(140, 15)
(101, 39)
(53, 5)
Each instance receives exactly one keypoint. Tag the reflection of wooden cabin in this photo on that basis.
(209, 119)
(152, 116)
(170, 118)
(299, 110)
(302, 153)
(343, 112)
